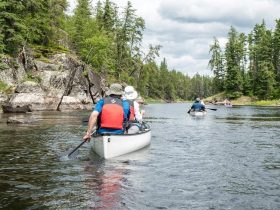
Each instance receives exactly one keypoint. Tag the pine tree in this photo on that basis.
(82, 20)
(109, 16)
(261, 59)
(234, 54)
(276, 53)
(216, 64)
(12, 27)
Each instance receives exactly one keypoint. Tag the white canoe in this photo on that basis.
(198, 113)
(228, 105)
(109, 146)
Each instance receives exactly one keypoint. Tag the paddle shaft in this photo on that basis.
(77, 148)
(212, 109)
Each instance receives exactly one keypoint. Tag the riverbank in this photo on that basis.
(242, 101)
(161, 101)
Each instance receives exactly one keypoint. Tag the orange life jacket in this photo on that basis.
(132, 110)
(112, 114)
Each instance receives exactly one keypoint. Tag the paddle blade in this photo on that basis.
(65, 155)
(212, 109)
(73, 154)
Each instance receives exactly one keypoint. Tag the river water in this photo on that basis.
(228, 159)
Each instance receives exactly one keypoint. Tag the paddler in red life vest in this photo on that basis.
(112, 112)
(135, 117)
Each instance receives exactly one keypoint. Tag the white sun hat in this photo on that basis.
(130, 93)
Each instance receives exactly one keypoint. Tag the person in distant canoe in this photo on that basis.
(197, 106)
(135, 117)
(227, 103)
(110, 113)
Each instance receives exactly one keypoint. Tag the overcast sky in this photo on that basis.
(185, 28)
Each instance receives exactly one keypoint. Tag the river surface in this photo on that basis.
(228, 159)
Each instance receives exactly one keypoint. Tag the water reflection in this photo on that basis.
(106, 186)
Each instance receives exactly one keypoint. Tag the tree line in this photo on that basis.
(103, 36)
(249, 64)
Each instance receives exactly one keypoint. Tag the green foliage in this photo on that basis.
(41, 51)
(3, 66)
(97, 51)
(33, 78)
(216, 64)
(2, 45)
(234, 54)
(266, 103)
(3, 86)
(252, 63)
(12, 27)
(233, 95)
(107, 39)
(265, 81)
(29, 22)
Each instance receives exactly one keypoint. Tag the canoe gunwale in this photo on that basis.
(128, 134)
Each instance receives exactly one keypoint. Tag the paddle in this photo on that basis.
(85, 119)
(72, 153)
(74, 150)
(212, 109)
(205, 108)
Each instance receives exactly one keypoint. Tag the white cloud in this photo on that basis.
(185, 28)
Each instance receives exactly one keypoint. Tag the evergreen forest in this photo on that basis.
(249, 64)
(111, 41)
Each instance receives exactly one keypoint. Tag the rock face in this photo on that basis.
(57, 83)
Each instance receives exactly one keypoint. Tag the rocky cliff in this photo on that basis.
(59, 82)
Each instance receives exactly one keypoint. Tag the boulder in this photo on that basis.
(38, 101)
(42, 66)
(8, 108)
(3, 98)
(21, 120)
(29, 87)
(73, 103)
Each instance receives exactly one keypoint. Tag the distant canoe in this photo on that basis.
(228, 105)
(111, 145)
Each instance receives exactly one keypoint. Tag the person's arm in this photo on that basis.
(93, 118)
(91, 123)
(126, 109)
(138, 115)
(203, 107)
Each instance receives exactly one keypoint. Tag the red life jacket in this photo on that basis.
(112, 114)
(132, 110)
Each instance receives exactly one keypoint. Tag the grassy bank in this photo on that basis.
(243, 100)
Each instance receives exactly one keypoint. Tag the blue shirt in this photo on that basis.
(98, 108)
(197, 106)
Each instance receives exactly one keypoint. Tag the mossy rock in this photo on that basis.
(3, 66)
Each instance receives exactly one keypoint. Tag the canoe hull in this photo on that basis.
(110, 146)
(198, 113)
